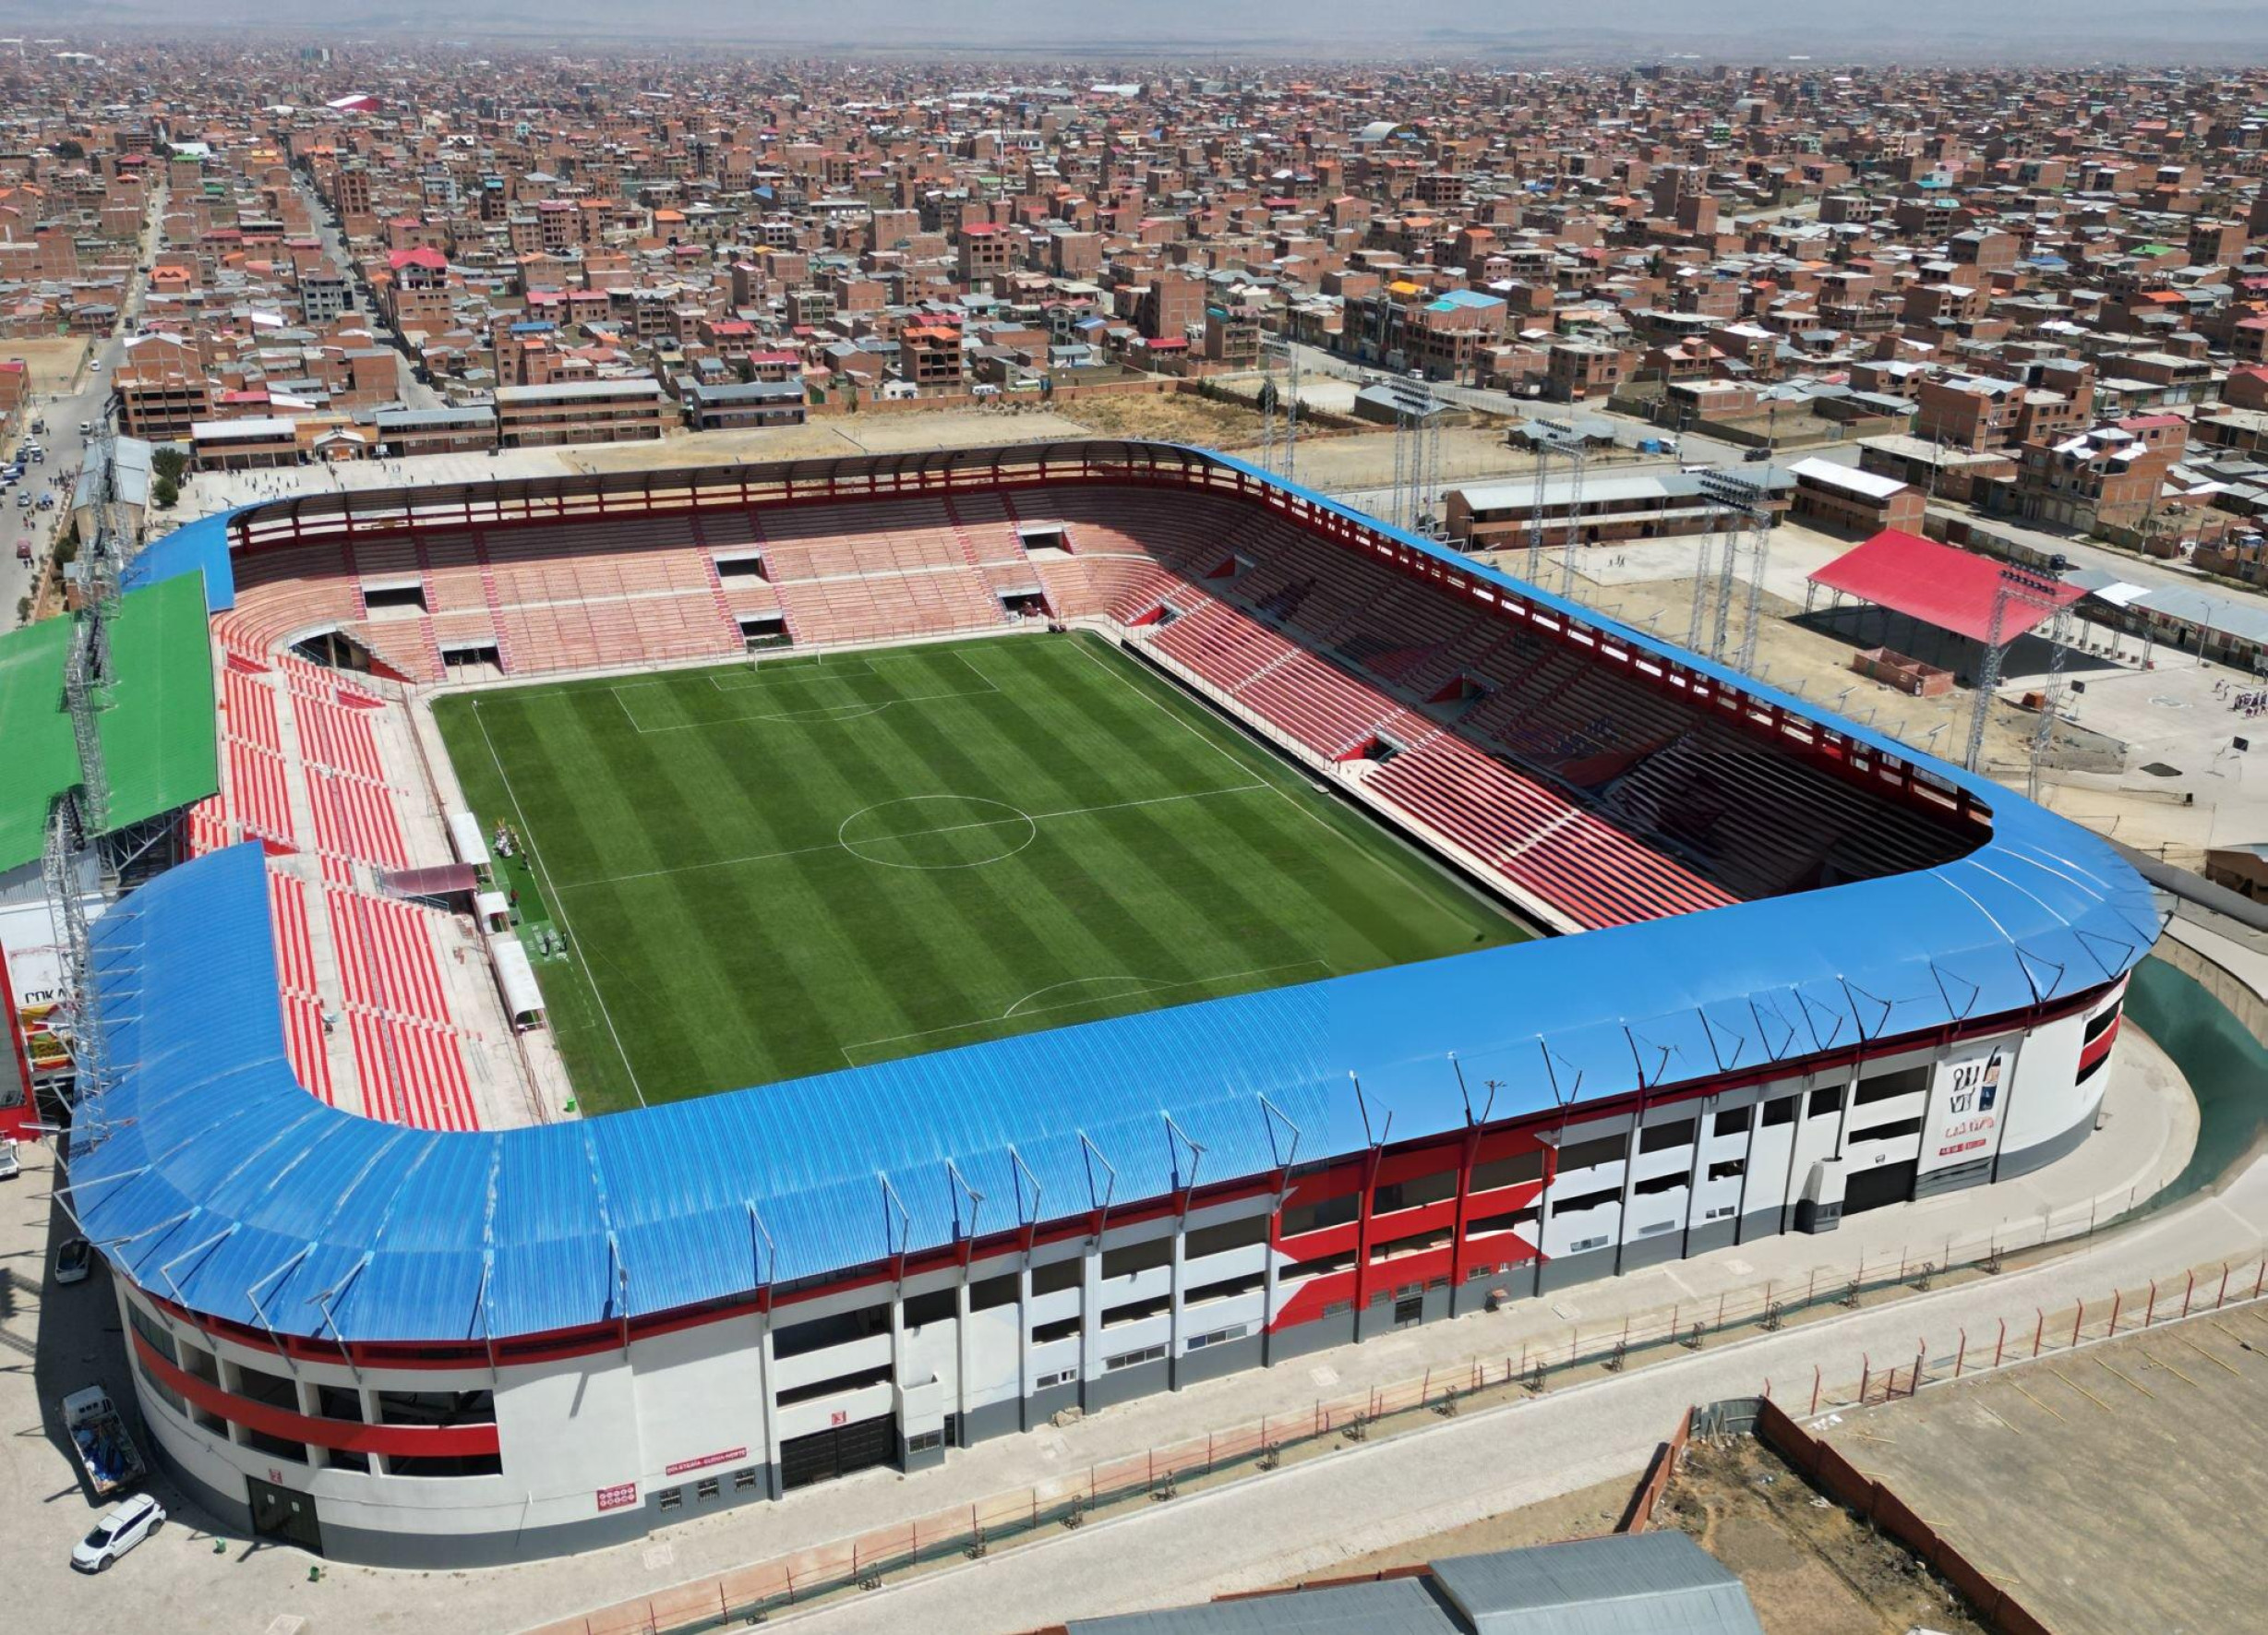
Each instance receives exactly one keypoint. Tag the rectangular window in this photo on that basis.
(1584, 1155)
(1318, 1267)
(1057, 1276)
(1666, 1137)
(1322, 1212)
(1130, 1258)
(1217, 1336)
(1148, 1353)
(1589, 1200)
(1520, 1167)
(1048, 1382)
(1416, 1243)
(1414, 1193)
(925, 1441)
(1890, 1131)
(672, 1499)
(1882, 1086)
(1512, 1220)
(1655, 1185)
(1135, 1311)
(936, 1306)
(1826, 1101)
(707, 1487)
(837, 1386)
(743, 1480)
(1781, 1112)
(1225, 1289)
(988, 1292)
(1728, 1170)
(436, 1408)
(1735, 1123)
(1048, 1333)
(1246, 1233)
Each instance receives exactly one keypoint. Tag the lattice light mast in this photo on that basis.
(1739, 509)
(2038, 593)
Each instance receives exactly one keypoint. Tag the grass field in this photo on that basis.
(775, 869)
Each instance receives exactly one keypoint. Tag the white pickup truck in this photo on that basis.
(106, 1452)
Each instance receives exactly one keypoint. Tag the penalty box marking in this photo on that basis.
(848, 710)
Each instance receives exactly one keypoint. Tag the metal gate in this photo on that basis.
(279, 1514)
(838, 1452)
(1876, 1185)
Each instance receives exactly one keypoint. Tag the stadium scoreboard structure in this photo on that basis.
(431, 1347)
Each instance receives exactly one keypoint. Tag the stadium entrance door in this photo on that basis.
(279, 1514)
(1883, 1183)
(839, 1451)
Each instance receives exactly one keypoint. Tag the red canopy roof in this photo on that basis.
(1939, 585)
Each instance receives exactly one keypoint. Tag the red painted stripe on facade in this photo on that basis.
(407, 1441)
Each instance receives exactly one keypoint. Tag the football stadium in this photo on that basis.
(609, 997)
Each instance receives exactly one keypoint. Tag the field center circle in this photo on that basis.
(937, 832)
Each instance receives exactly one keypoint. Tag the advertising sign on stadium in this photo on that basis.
(1966, 1104)
(723, 1457)
(618, 1496)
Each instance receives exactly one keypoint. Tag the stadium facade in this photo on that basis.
(429, 1348)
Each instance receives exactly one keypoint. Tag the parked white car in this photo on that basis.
(74, 1261)
(118, 1532)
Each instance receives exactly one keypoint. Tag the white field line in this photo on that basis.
(558, 905)
(1142, 986)
(1020, 817)
(1237, 761)
(850, 709)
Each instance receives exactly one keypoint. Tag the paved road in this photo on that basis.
(414, 394)
(87, 401)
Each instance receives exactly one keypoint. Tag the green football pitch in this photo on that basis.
(735, 875)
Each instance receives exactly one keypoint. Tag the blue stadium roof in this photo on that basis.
(208, 1176)
(201, 546)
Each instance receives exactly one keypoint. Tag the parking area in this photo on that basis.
(2115, 1489)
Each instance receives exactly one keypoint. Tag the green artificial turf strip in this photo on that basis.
(781, 870)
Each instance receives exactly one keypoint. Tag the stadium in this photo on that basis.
(957, 937)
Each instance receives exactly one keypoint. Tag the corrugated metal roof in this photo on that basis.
(1398, 1607)
(198, 547)
(210, 1175)
(161, 747)
(1647, 1583)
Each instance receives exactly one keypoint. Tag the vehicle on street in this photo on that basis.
(118, 1532)
(106, 1453)
(47, 502)
(74, 1261)
(86, 427)
(23, 550)
(10, 1165)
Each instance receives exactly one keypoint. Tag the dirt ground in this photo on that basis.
(1182, 418)
(1585, 1513)
(51, 362)
(1809, 1566)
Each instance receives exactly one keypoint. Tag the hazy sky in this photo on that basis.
(1631, 29)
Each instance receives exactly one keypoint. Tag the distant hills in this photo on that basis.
(1938, 31)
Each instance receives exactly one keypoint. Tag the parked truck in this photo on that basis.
(105, 1450)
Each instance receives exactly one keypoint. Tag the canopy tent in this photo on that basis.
(1939, 585)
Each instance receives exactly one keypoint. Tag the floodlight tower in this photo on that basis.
(1738, 507)
(2038, 595)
